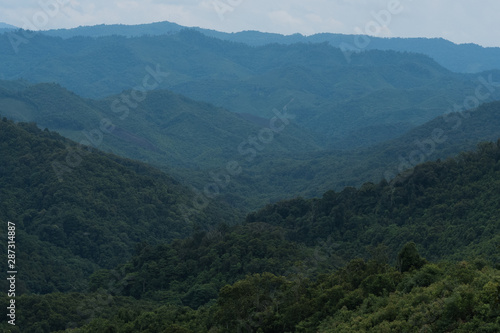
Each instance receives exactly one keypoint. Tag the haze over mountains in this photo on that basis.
(196, 140)
(466, 58)
(200, 181)
(243, 79)
(87, 224)
(324, 103)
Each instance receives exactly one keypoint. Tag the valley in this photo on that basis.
(165, 179)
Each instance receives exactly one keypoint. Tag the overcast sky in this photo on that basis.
(461, 21)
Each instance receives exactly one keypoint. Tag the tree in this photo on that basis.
(409, 258)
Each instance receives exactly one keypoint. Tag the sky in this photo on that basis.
(461, 21)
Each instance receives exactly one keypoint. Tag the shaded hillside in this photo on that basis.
(164, 129)
(77, 210)
(294, 270)
(316, 172)
(449, 207)
(332, 98)
(462, 58)
(450, 210)
(174, 133)
(290, 267)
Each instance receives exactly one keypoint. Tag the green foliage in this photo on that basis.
(281, 271)
(165, 129)
(377, 95)
(284, 269)
(93, 218)
(191, 271)
(270, 303)
(409, 258)
(195, 141)
(447, 208)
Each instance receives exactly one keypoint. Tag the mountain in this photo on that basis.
(295, 191)
(464, 58)
(196, 142)
(164, 129)
(448, 210)
(316, 172)
(332, 99)
(102, 30)
(276, 176)
(349, 261)
(7, 26)
(77, 210)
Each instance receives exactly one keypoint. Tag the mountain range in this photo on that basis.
(295, 256)
(196, 141)
(378, 89)
(164, 179)
(466, 58)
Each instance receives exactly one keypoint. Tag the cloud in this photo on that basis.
(283, 18)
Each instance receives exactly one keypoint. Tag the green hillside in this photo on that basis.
(78, 210)
(282, 176)
(201, 182)
(164, 129)
(465, 58)
(292, 267)
(197, 142)
(449, 209)
(333, 99)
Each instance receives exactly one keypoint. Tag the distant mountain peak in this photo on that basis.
(7, 26)
(462, 58)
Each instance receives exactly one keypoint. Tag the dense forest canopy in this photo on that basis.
(162, 179)
(85, 208)
(289, 267)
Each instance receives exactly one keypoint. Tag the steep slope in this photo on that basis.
(449, 207)
(273, 177)
(446, 210)
(450, 210)
(77, 210)
(196, 142)
(163, 128)
(296, 259)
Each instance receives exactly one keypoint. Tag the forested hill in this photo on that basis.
(194, 140)
(314, 173)
(291, 266)
(468, 58)
(450, 208)
(77, 210)
(333, 98)
(165, 129)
